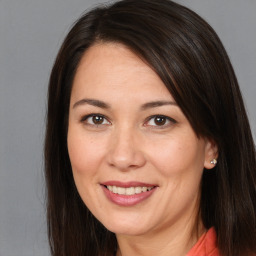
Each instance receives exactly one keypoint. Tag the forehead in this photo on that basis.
(112, 68)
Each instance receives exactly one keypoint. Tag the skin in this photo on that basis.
(130, 146)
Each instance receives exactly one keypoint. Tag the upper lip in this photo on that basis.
(127, 184)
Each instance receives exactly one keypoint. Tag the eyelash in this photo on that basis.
(164, 118)
(84, 119)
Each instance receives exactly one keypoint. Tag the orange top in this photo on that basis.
(206, 245)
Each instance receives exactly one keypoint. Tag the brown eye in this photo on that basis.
(97, 120)
(160, 120)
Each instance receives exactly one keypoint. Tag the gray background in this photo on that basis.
(31, 32)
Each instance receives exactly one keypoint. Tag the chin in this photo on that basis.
(127, 231)
(126, 227)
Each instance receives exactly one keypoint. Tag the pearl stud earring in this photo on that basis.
(214, 161)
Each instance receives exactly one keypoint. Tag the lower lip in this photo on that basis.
(127, 200)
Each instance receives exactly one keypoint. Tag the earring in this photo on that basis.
(214, 161)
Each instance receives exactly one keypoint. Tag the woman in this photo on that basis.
(148, 147)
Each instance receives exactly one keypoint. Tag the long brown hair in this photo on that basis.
(188, 56)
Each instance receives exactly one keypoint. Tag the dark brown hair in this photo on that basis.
(188, 56)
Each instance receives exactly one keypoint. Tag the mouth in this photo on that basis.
(129, 193)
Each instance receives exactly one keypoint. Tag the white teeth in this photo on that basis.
(121, 191)
(128, 191)
(138, 190)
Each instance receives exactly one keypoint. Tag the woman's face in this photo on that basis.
(136, 161)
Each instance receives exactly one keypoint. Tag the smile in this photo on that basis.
(128, 191)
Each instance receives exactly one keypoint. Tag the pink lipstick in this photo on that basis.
(127, 193)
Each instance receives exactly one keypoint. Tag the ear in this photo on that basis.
(211, 154)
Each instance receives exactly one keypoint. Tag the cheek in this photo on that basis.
(83, 153)
(85, 161)
(178, 155)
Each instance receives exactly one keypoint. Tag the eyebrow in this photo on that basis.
(101, 104)
(155, 104)
(93, 102)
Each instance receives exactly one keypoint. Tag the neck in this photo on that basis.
(168, 242)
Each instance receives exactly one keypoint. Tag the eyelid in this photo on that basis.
(86, 117)
(171, 121)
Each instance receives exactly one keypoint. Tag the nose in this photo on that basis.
(125, 151)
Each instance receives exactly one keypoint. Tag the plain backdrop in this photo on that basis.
(31, 32)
